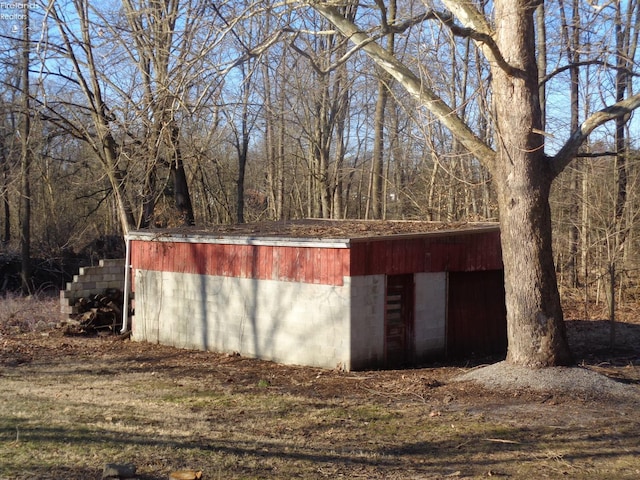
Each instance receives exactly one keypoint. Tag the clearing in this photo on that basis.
(69, 405)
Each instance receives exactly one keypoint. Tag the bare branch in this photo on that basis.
(477, 29)
(584, 63)
(386, 29)
(413, 84)
(570, 149)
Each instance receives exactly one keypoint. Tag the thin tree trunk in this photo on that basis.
(25, 164)
(377, 160)
(6, 237)
(571, 34)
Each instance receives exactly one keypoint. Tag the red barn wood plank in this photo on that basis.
(327, 266)
(276, 262)
(268, 261)
(476, 313)
(334, 267)
(344, 264)
(319, 265)
(185, 259)
(305, 266)
(170, 256)
(290, 258)
(380, 257)
(228, 260)
(311, 267)
(256, 260)
(165, 257)
(213, 262)
(189, 253)
(245, 253)
(203, 252)
(356, 259)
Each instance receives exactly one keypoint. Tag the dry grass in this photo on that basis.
(69, 405)
(35, 313)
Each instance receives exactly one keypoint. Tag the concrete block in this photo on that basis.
(110, 262)
(83, 271)
(88, 285)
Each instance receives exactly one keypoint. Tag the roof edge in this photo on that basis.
(238, 239)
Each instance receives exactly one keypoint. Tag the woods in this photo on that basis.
(156, 113)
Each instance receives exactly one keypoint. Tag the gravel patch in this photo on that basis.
(574, 380)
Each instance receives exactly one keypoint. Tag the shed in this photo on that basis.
(333, 294)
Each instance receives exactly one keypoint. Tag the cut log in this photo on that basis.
(98, 313)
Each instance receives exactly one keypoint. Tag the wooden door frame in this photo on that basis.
(407, 281)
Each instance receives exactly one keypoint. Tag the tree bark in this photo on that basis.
(181, 192)
(6, 237)
(535, 327)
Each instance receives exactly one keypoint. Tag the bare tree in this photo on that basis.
(626, 41)
(522, 171)
(25, 158)
(6, 154)
(164, 55)
(91, 121)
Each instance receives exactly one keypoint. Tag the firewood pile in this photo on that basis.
(99, 313)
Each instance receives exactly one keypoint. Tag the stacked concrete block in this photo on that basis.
(90, 281)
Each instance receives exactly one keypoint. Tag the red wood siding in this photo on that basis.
(459, 252)
(296, 264)
(456, 252)
(476, 314)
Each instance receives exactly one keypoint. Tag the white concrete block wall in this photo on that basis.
(287, 322)
(367, 321)
(430, 314)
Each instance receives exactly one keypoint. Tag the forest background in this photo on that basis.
(160, 113)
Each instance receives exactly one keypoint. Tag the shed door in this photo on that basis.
(398, 327)
(476, 314)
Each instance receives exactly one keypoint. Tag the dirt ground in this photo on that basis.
(70, 405)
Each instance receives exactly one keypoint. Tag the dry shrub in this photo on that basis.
(19, 314)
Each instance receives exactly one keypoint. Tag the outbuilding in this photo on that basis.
(333, 294)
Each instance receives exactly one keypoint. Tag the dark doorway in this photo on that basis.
(398, 322)
(476, 314)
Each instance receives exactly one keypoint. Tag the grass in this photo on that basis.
(266, 434)
(35, 313)
(74, 405)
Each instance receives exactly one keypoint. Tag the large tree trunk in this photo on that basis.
(180, 185)
(535, 325)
